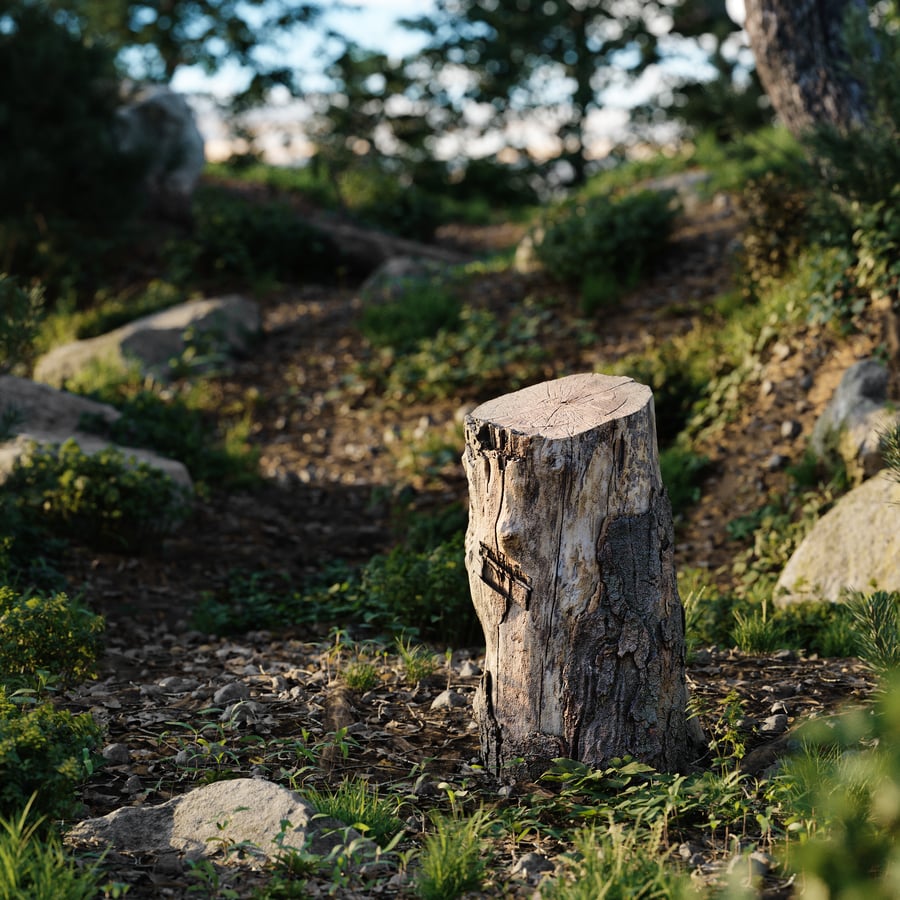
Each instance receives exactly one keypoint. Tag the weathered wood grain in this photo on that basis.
(569, 552)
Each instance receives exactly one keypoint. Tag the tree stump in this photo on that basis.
(569, 552)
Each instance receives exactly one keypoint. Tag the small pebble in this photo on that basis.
(790, 429)
(242, 711)
(774, 725)
(766, 388)
(175, 684)
(117, 754)
(776, 461)
(530, 867)
(133, 785)
(237, 690)
(448, 700)
(781, 351)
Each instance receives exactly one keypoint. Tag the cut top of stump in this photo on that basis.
(567, 406)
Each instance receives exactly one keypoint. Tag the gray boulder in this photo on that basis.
(159, 125)
(856, 545)
(854, 420)
(214, 325)
(260, 816)
(43, 415)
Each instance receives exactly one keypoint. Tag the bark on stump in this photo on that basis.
(569, 552)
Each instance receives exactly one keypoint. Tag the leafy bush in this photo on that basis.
(618, 863)
(775, 228)
(606, 244)
(480, 354)
(101, 499)
(862, 163)
(407, 592)
(55, 633)
(682, 470)
(390, 201)
(249, 601)
(45, 752)
(172, 427)
(236, 239)
(63, 182)
(419, 311)
(19, 322)
(876, 241)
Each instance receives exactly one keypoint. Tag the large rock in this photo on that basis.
(855, 545)
(39, 413)
(255, 813)
(222, 324)
(855, 419)
(159, 125)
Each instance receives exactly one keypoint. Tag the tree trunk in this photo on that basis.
(801, 60)
(569, 552)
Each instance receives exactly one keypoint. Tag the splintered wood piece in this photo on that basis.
(569, 552)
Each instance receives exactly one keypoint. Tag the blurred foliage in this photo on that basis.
(104, 500)
(236, 239)
(605, 244)
(208, 34)
(45, 752)
(21, 310)
(54, 633)
(65, 189)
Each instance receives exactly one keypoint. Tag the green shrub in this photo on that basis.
(890, 451)
(481, 354)
(606, 244)
(44, 752)
(101, 500)
(876, 242)
(249, 601)
(171, 426)
(21, 310)
(65, 189)
(418, 312)
(618, 863)
(775, 227)
(407, 592)
(109, 312)
(56, 634)
(862, 163)
(388, 200)
(235, 239)
(682, 471)
(33, 863)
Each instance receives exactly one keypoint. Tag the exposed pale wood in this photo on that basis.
(569, 552)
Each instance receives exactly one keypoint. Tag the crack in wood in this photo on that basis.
(504, 576)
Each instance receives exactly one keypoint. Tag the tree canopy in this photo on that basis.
(155, 38)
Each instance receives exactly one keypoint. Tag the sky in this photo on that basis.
(373, 24)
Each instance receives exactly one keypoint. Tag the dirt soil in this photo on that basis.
(329, 456)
